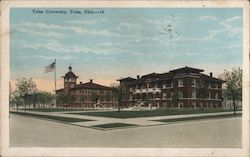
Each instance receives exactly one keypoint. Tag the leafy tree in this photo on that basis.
(94, 97)
(175, 97)
(233, 80)
(82, 99)
(202, 91)
(62, 98)
(25, 87)
(108, 97)
(16, 100)
(118, 94)
(72, 99)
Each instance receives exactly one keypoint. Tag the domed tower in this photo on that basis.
(69, 79)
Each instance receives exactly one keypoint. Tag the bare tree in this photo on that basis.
(233, 80)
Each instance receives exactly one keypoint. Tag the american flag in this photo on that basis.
(50, 68)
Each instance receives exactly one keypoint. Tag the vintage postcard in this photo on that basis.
(125, 78)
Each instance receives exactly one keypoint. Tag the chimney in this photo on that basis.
(80, 82)
(211, 74)
(91, 80)
(138, 76)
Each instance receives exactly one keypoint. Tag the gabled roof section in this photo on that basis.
(127, 79)
(89, 85)
(209, 78)
(60, 90)
(186, 70)
(151, 75)
(69, 74)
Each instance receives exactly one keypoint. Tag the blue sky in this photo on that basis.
(123, 42)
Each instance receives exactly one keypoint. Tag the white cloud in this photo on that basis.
(64, 27)
(208, 18)
(51, 45)
(227, 27)
(42, 34)
(81, 22)
(58, 47)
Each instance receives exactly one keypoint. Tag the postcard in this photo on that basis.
(125, 78)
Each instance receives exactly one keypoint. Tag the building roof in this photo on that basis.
(89, 85)
(69, 74)
(60, 90)
(127, 79)
(169, 75)
(209, 78)
(186, 69)
(151, 75)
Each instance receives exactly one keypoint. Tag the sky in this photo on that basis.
(122, 42)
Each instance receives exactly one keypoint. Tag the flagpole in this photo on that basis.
(55, 82)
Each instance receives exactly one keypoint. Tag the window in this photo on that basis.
(209, 95)
(180, 83)
(194, 105)
(168, 85)
(180, 94)
(164, 95)
(101, 91)
(213, 85)
(216, 95)
(194, 94)
(193, 83)
(180, 105)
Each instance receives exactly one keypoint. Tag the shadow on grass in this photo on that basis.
(113, 125)
(56, 118)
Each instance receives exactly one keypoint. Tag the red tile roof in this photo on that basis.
(90, 85)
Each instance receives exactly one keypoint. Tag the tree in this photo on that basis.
(233, 80)
(108, 97)
(175, 97)
(25, 87)
(117, 92)
(72, 99)
(202, 91)
(16, 100)
(94, 97)
(62, 98)
(82, 99)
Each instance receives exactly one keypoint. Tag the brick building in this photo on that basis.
(85, 95)
(158, 89)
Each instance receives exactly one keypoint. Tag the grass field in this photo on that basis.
(198, 118)
(150, 113)
(49, 117)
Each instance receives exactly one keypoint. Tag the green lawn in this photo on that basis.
(150, 113)
(198, 118)
(55, 109)
(56, 118)
(113, 125)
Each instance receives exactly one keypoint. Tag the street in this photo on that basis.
(31, 132)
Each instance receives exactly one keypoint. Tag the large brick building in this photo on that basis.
(85, 95)
(157, 89)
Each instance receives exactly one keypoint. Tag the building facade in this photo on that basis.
(84, 95)
(184, 87)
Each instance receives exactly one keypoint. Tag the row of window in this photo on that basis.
(180, 83)
(90, 91)
(180, 95)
